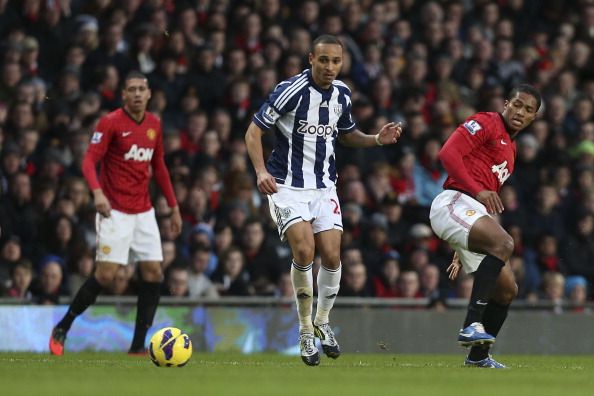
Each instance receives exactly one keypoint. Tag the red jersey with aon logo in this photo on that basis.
(480, 154)
(127, 150)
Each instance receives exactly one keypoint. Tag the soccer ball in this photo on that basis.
(169, 347)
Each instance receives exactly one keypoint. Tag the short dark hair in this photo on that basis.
(326, 39)
(528, 89)
(134, 74)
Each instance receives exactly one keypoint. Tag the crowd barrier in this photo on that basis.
(251, 325)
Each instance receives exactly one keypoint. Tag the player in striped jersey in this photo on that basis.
(310, 111)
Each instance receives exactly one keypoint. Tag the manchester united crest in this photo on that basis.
(151, 134)
(470, 212)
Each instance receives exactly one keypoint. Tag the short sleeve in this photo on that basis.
(279, 102)
(346, 123)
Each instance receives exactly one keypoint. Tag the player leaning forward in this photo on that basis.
(479, 157)
(310, 112)
(128, 142)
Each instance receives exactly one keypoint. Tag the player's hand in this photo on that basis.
(390, 133)
(491, 201)
(176, 221)
(454, 267)
(101, 203)
(266, 183)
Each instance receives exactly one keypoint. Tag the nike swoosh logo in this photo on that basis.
(331, 296)
(479, 302)
(124, 134)
(503, 142)
(467, 335)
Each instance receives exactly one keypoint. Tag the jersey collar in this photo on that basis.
(132, 118)
(510, 133)
(316, 86)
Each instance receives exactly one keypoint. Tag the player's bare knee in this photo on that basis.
(105, 278)
(331, 261)
(506, 295)
(504, 248)
(303, 254)
(152, 274)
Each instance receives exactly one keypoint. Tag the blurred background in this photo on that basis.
(211, 64)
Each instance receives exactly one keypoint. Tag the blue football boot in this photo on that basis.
(474, 335)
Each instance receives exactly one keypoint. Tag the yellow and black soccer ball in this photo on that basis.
(169, 347)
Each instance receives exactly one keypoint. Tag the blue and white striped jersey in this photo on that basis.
(308, 120)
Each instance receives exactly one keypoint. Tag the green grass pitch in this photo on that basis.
(114, 374)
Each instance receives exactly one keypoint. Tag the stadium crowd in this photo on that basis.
(211, 63)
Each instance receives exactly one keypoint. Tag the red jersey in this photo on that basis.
(479, 155)
(126, 150)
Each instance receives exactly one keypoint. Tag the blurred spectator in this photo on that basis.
(21, 276)
(553, 287)
(232, 278)
(83, 268)
(409, 285)
(376, 243)
(262, 263)
(464, 286)
(355, 282)
(285, 286)
(385, 284)
(577, 251)
(10, 255)
(427, 64)
(547, 254)
(544, 217)
(428, 174)
(429, 282)
(48, 289)
(178, 282)
(169, 254)
(576, 290)
(19, 216)
(199, 283)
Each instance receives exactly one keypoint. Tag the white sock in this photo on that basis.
(328, 285)
(302, 279)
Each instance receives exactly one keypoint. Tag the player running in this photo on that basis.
(310, 112)
(479, 157)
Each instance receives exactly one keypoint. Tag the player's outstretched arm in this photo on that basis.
(389, 134)
(253, 141)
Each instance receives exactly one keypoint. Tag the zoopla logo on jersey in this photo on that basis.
(315, 129)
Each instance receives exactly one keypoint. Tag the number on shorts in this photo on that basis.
(336, 206)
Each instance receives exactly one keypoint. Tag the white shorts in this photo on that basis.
(320, 207)
(124, 236)
(452, 216)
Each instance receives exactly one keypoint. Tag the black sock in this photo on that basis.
(85, 296)
(148, 300)
(485, 279)
(493, 319)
